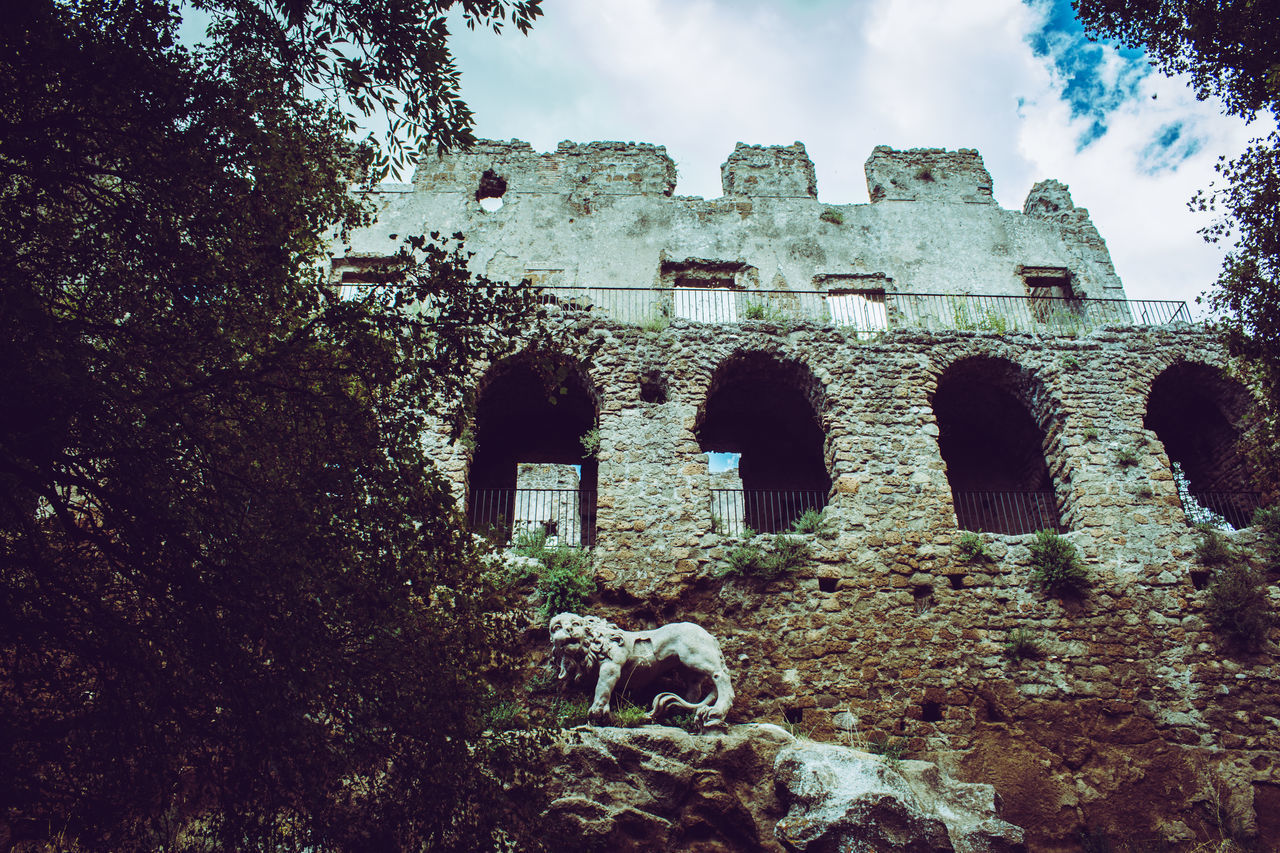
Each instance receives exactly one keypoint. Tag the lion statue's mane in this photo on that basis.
(582, 645)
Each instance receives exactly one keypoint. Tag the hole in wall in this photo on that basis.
(828, 584)
(1199, 579)
(653, 388)
(956, 581)
(923, 597)
(491, 190)
(930, 712)
(795, 716)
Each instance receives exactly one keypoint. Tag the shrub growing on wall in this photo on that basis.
(1238, 605)
(1057, 566)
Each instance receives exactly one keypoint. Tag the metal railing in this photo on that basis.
(761, 510)
(866, 312)
(1011, 513)
(1043, 314)
(1236, 508)
(567, 516)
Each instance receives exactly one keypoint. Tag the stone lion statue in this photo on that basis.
(581, 645)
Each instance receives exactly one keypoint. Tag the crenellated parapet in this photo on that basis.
(610, 168)
(928, 174)
(777, 171)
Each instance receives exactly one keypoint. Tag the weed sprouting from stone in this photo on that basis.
(1126, 457)
(1022, 644)
(832, 216)
(971, 547)
(564, 579)
(750, 559)
(1056, 565)
(1238, 605)
(811, 521)
(628, 715)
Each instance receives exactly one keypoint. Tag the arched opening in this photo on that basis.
(766, 412)
(534, 466)
(1194, 410)
(994, 448)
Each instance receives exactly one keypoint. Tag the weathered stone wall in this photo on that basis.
(602, 215)
(1136, 719)
(1136, 712)
(928, 174)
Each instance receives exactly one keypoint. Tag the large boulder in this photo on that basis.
(850, 801)
(661, 788)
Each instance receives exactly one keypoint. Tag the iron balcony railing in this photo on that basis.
(1236, 508)
(1011, 513)
(566, 516)
(864, 312)
(1048, 314)
(733, 511)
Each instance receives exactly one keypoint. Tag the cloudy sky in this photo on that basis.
(1015, 79)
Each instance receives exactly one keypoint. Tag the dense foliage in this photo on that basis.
(237, 610)
(1231, 50)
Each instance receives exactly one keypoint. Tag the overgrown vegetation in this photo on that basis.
(1237, 602)
(1213, 548)
(567, 713)
(1056, 565)
(752, 559)
(1126, 457)
(225, 557)
(811, 521)
(1266, 521)
(1238, 605)
(629, 715)
(766, 311)
(590, 441)
(832, 216)
(565, 580)
(971, 547)
(1022, 644)
(1089, 433)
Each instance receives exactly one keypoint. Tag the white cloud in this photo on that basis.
(700, 75)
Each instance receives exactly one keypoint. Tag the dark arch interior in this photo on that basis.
(994, 451)
(524, 415)
(1193, 410)
(764, 410)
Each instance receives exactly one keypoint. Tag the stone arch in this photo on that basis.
(770, 410)
(997, 434)
(1198, 413)
(530, 466)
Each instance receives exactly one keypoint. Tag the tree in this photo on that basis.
(237, 607)
(1231, 51)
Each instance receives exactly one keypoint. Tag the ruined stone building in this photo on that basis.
(919, 366)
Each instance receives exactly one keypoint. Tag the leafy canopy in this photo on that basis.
(1231, 50)
(237, 610)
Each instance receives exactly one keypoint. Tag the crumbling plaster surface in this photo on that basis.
(603, 214)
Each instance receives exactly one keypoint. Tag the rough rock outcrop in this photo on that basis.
(846, 800)
(660, 788)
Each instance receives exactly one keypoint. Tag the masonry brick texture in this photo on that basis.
(1137, 718)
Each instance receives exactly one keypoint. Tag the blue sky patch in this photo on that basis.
(1095, 79)
(1171, 145)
